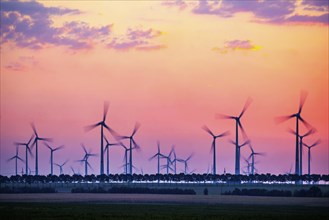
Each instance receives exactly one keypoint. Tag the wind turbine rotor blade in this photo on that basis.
(232, 142)
(245, 143)
(158, 145)
(29, 150)
(34, 142)
(251, 148)
(137, 126)
(48, 146)
(226, 133)
(84, 148)
(204, 127)
(189, 157)
(28, 143)
(308, 125)
(260, 154)
(246, 106)
(46, 139)
(20, 158)
(107, 142)
(154, 156)
(90, 127)
(59, 148)
(316, 143)
(291, 131)
(311, 131)
(105, 110)
(135, 144)
(281, 119)
(92, 155)
(222, 116)
(11, 158)
(303, 96)
(242, 129)
(65, 162)
(34, 129)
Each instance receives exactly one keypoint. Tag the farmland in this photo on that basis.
(135, 206)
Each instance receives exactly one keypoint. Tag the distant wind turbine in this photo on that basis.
(252, 157)
(301, 137)
(132, 145)
(309, 153)
(298, 118)
(213, 145)
(107, 149)
(102, 125)
(239, 150)
(27, 150)
(16, 157)
(158, 155)
(237, 125)
(52, 150)
(35, 143)
(185, 163)
(85, 158)
(61, 167)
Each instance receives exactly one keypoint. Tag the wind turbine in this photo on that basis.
(16, 157)
(252, 157)
(174, 161)
(185, 163)
(213, 145)
(301, 137)
(52, 150)
(85, 158)
(238, 147)
(309, 153)
(35, 142)
(125, 158)
(61, 167)
(131, 143)
(158, 155)
(107, 149)
(237, 125)
(28, 150)
(103, 125)
(298, 118)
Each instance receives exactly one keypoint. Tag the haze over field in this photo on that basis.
(170, 65)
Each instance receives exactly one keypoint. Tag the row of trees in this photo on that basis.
(174, 178)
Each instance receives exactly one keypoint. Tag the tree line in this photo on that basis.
(167, 178)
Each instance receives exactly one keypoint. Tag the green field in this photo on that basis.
(157, 211)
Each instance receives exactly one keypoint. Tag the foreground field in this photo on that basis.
(164, 199)
(135, 206)
(157, 211)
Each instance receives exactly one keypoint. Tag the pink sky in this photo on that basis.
(169, 65)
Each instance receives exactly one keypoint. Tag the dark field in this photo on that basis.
(150, 206)
(156, 211)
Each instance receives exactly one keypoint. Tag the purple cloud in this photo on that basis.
(175, 3)
(234, 45)
(138, 39)
(266, 11)
(16, 66)
(28, 24)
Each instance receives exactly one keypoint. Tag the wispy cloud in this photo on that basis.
(180, 4)
(265, 11)
(138, 39)
(234, 45)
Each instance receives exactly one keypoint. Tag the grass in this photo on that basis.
(156, 211)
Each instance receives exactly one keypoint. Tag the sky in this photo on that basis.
(171, 66)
